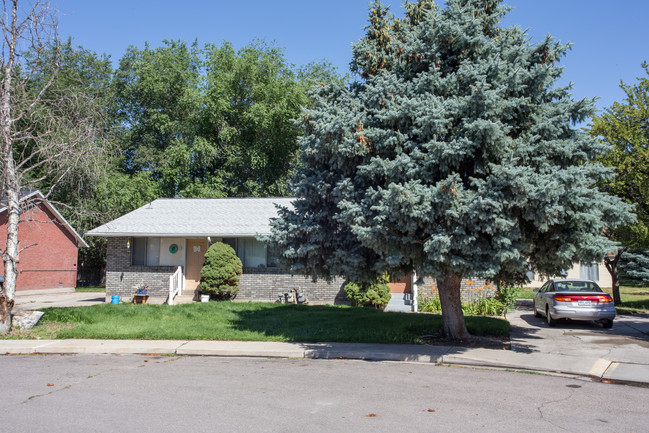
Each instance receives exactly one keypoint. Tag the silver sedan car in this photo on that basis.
(574, 299)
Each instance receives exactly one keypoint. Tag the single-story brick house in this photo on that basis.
(163, 244)
(152, 243)
(49, 263)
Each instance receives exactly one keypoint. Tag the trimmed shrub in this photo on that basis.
(220, 273)
(375, 294)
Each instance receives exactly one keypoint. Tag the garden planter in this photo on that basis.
(205, 298)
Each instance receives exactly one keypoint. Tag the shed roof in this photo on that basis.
(197, 217)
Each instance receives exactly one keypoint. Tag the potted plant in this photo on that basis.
(141, 289)
(141, 295)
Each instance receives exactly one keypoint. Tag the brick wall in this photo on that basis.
(256, 284)
(50, 259)
(121, 276)
(470, 289)
(265, 284)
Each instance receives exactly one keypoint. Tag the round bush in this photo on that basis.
(220, 273)
(375, 294)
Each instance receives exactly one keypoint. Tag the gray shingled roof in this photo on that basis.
(199, 217)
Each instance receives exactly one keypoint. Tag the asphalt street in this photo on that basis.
(109, 393)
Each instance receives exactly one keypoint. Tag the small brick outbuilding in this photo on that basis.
(49, 263)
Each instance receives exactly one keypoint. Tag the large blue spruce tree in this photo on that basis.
(453, 156)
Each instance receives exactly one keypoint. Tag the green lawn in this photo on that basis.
(634, 299)
(91, 289)
(247, 321)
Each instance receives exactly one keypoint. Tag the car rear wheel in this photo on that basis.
(548, 317)
(608, 323)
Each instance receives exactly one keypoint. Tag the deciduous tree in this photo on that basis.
(625, 127)
(46, 133)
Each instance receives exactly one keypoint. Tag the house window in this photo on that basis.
(146, 252)
(272, 257)
(253, 253)
(589, 271)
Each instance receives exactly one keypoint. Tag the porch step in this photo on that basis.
(184, 299)
(400, 302)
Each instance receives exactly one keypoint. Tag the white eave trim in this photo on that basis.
(175, 235)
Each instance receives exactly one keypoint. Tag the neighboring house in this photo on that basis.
(595, 271)
(152, 243)
(48, 262)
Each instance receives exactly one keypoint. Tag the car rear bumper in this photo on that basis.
(582, 313)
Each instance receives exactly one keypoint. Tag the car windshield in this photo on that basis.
(576, 286)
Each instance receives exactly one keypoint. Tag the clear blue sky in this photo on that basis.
(611, 37)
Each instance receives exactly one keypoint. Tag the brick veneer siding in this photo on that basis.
(264, 284)
(470, 289)
(256, 284)
(49, 260)
(121, 276)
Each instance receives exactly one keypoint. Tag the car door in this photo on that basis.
(540, 298)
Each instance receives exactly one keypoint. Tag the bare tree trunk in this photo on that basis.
(452, 315)
(611, 266)
(9, 182)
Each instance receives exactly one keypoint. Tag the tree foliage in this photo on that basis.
(454, 156)
(212, 121)
(374, 294)
(634, 267)
(625, 127)
(180, 120)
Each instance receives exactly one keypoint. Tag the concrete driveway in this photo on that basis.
(75, 299)
(626, 342)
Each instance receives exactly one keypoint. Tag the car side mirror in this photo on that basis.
(536, 290)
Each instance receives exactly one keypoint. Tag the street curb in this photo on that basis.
(595, 368)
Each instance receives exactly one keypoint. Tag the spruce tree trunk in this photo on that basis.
(451, 300)
(611, 266)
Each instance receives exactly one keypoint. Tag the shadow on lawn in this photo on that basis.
(335, 325)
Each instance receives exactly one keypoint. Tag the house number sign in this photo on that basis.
(173, 248)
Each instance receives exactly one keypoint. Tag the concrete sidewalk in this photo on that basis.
(595, 367)
(619, 354)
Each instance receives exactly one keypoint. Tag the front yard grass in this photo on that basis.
(90, 289)
(634, 300)
(250, 321)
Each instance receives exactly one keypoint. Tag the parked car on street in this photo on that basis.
(575, 300)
